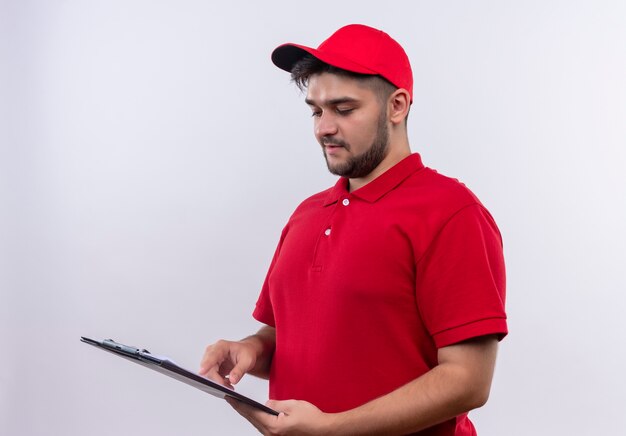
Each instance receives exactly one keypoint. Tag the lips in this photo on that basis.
(330, 144)
(332, 150)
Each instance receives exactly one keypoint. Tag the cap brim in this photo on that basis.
(285, 57)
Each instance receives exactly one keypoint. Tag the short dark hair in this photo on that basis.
(309, 66)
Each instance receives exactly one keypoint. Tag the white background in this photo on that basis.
(151, 153)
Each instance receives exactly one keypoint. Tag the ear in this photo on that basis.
(399, 104)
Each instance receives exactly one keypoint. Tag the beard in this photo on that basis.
(364, 163)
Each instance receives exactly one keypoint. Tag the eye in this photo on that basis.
(344, 111)
(316, 113)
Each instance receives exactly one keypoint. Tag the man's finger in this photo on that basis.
(242, 366)
(215, 376)
(212, 358)
(281, 406)
(234, 376)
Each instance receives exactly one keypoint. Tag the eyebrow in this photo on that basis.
(332, 102)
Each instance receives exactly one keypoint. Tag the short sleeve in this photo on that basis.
(264, 311)
(460, 287)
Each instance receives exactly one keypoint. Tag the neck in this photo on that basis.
(395, 155)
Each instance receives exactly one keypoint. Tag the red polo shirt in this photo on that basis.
(365, 286)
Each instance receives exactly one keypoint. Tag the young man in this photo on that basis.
(384, 301)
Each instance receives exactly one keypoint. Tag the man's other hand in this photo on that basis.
(295, 418)
(226, 362)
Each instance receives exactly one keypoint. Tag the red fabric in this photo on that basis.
(365, 287)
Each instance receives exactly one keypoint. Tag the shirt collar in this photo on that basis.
(381, 185)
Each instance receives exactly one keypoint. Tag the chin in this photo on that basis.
(338, 170)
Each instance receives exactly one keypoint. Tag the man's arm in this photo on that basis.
(227, 361)
(459, 383)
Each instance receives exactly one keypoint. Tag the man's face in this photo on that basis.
(350, 123)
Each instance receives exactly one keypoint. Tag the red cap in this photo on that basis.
(357, 48)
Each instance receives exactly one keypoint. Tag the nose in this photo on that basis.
(325, 125)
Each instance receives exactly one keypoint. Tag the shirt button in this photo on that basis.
(345, 202)
(327, 232)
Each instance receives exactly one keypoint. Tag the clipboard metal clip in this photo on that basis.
(110, 343)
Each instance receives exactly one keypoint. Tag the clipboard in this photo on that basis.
(165, 366)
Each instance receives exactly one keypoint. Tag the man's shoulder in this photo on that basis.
(315, 201)
(319, 197)
(432, 186)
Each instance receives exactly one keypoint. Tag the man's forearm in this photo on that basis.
(264, 342)
(448, 390)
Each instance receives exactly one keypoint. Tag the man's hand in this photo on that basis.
(458, 384)
(226, 362)
(296, 418)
